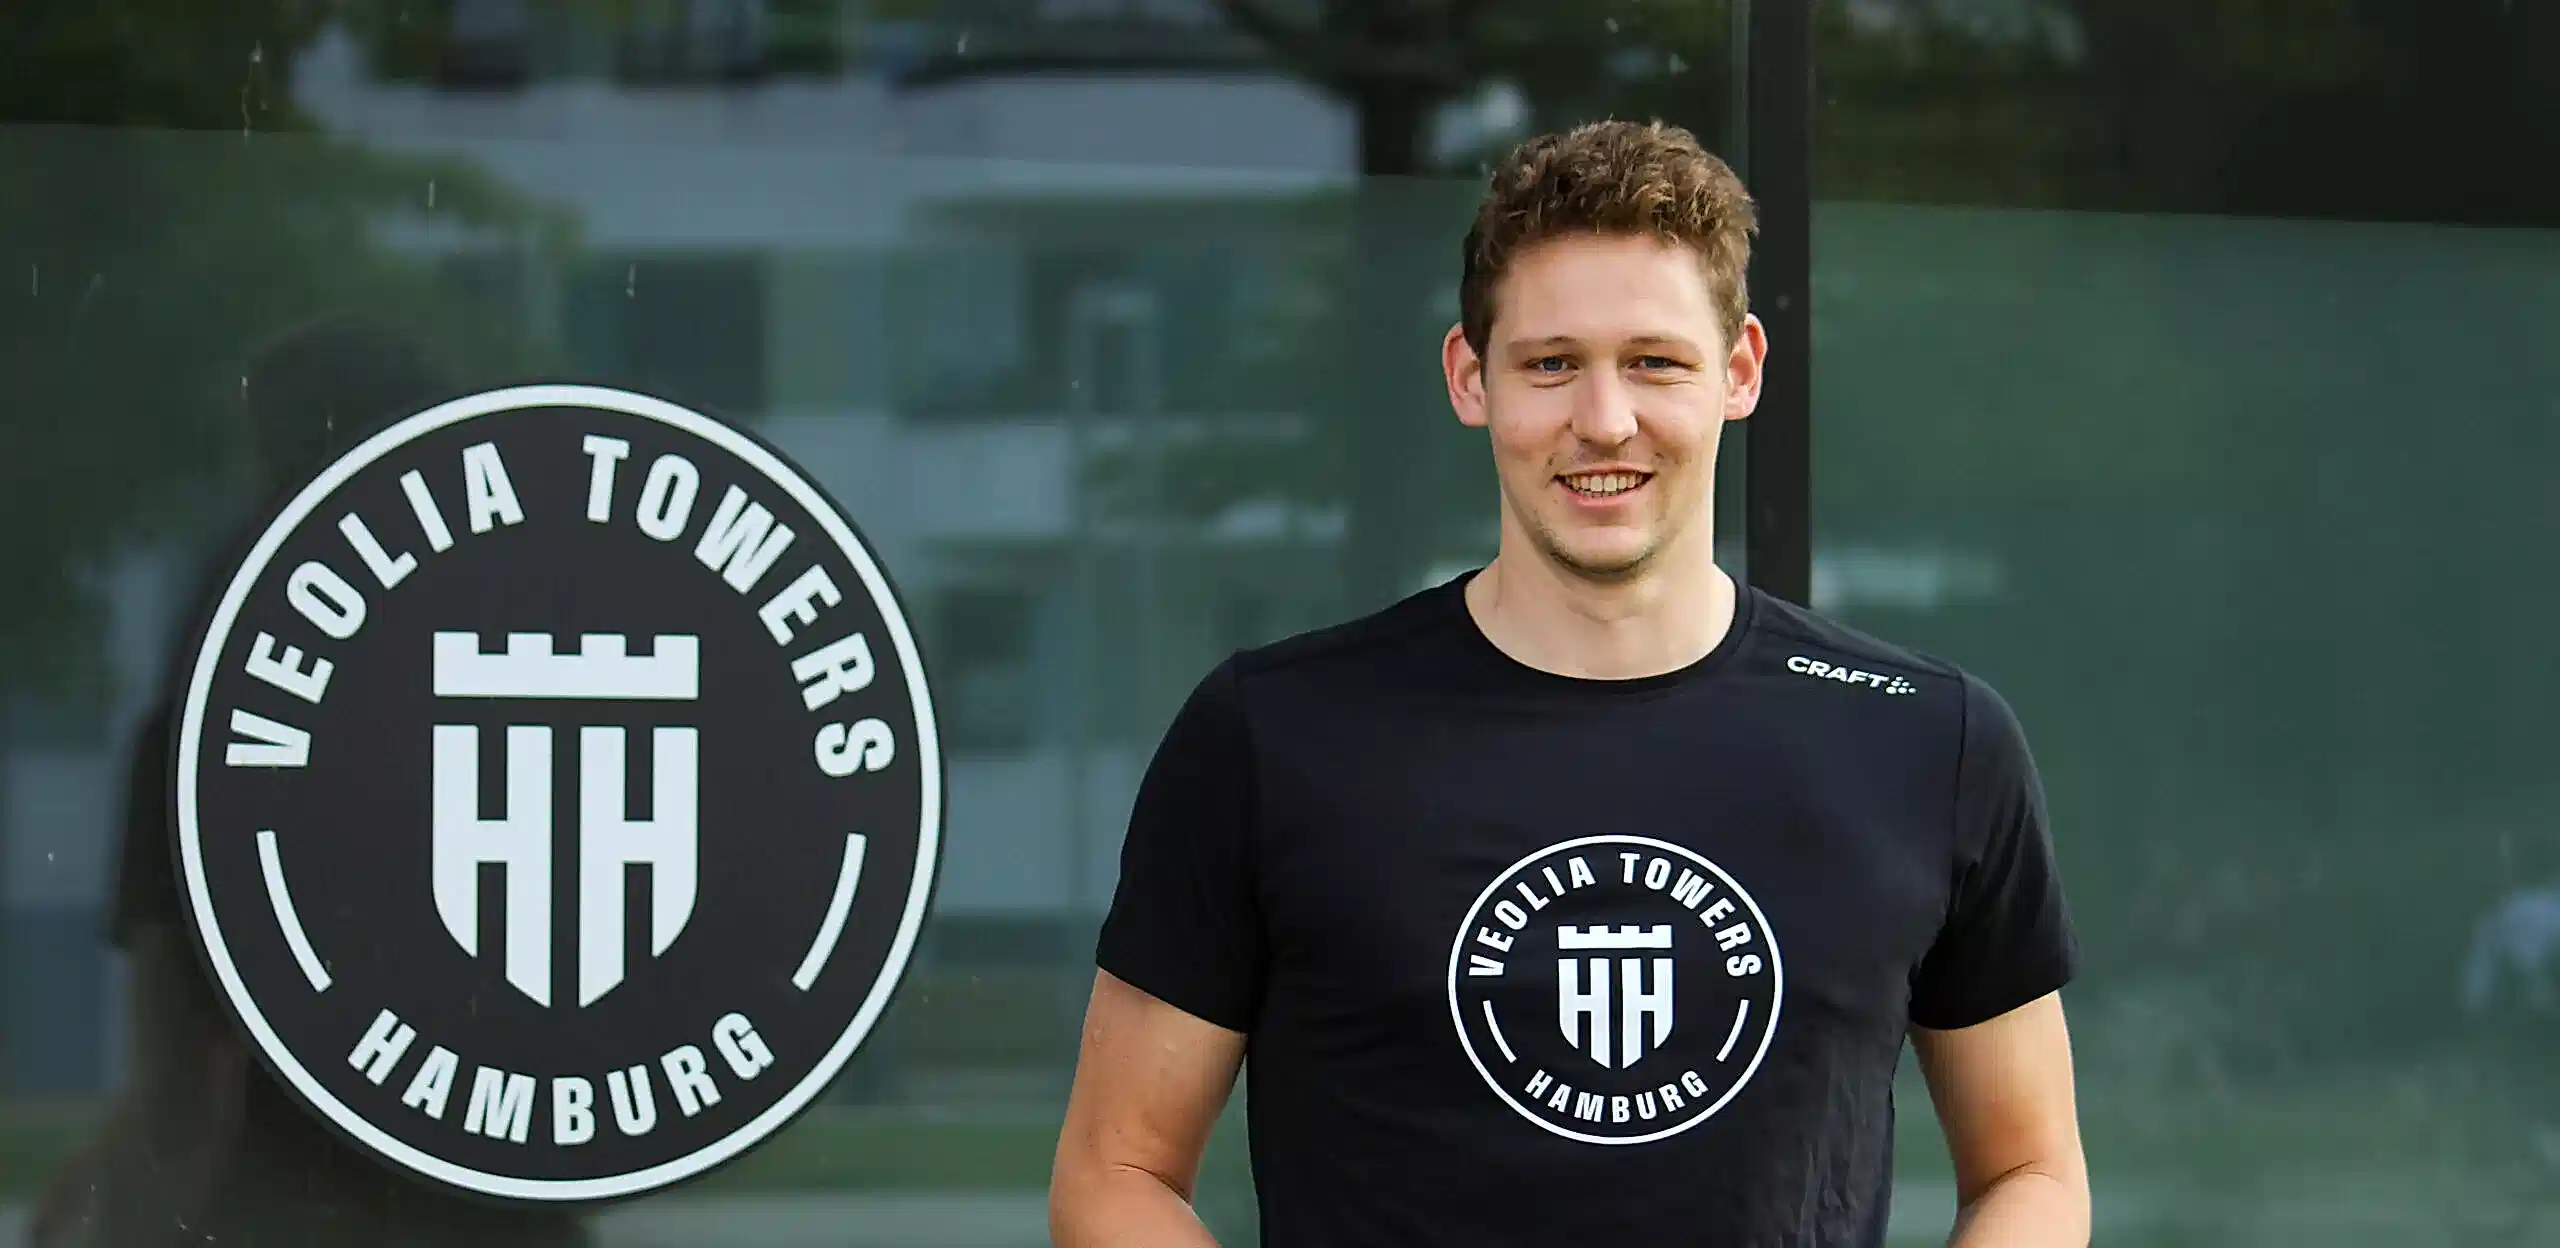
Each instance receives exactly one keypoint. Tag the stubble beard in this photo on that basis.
(1613, 569)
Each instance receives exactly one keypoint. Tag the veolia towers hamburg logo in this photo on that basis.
(558, 797)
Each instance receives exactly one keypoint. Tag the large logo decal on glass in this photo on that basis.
(558, 794)
(1615, 989)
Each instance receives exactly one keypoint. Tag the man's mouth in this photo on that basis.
(1603, 484)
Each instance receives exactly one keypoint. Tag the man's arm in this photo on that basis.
(1150, 1082)
(2004, 1093)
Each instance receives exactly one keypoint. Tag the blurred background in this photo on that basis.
(2180, 368)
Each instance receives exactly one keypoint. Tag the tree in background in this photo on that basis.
(2360, 109)
(1434, 88)
(2093, 386)
(168, 210)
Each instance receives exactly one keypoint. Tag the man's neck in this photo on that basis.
(1552, 619)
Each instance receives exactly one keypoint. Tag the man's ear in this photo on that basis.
(1744, 366)
(1465, 373)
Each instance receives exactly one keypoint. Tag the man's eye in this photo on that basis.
(1656, 361)
(1549, 363)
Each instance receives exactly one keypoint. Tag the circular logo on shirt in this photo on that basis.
(558, 797)
(1615, 989)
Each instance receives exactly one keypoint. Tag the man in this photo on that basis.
(202, 1145)
(1589, 897)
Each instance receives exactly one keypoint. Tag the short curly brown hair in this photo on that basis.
(1610, 177)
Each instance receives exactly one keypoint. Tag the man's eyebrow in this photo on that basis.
(1568, 340)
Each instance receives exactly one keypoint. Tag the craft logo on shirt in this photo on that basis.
(558, 796)
(1892, 684)
(1615, 989)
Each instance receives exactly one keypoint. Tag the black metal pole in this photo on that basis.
(1777, 163)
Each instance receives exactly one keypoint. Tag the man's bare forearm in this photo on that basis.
(1123, 1207)
(2025, 1209)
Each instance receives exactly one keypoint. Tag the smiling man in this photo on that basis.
(1591, 896)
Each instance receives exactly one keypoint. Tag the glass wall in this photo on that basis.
(1112, 323)
(2180, 369)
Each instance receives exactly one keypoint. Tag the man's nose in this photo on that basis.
(1606, 412)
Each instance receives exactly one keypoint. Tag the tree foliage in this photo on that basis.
(1380, 262)
(168, 210)
(2356, 109)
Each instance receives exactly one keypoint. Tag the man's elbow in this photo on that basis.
(2059, 1177)
(1072, 1197)
(2045, 1203)
(1089, 1192)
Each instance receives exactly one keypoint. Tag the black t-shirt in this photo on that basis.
(1524, 958)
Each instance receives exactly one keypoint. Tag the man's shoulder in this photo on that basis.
(1790, 623)
(1356, 646)
(1810, 643)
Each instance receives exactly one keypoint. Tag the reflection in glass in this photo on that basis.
(198, 1143)
(2165, 378)
(1112, 322)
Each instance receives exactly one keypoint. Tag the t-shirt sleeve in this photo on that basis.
(2008, 937)
(1185, 925)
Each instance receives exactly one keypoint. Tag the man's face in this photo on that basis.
(1604, 388)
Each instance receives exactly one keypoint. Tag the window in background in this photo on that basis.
(672, 41)
(863, 228)
(2175, 373)
(1114, 344)
(699, 334)
(486, 43)
(985, 650)
(958, 316)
